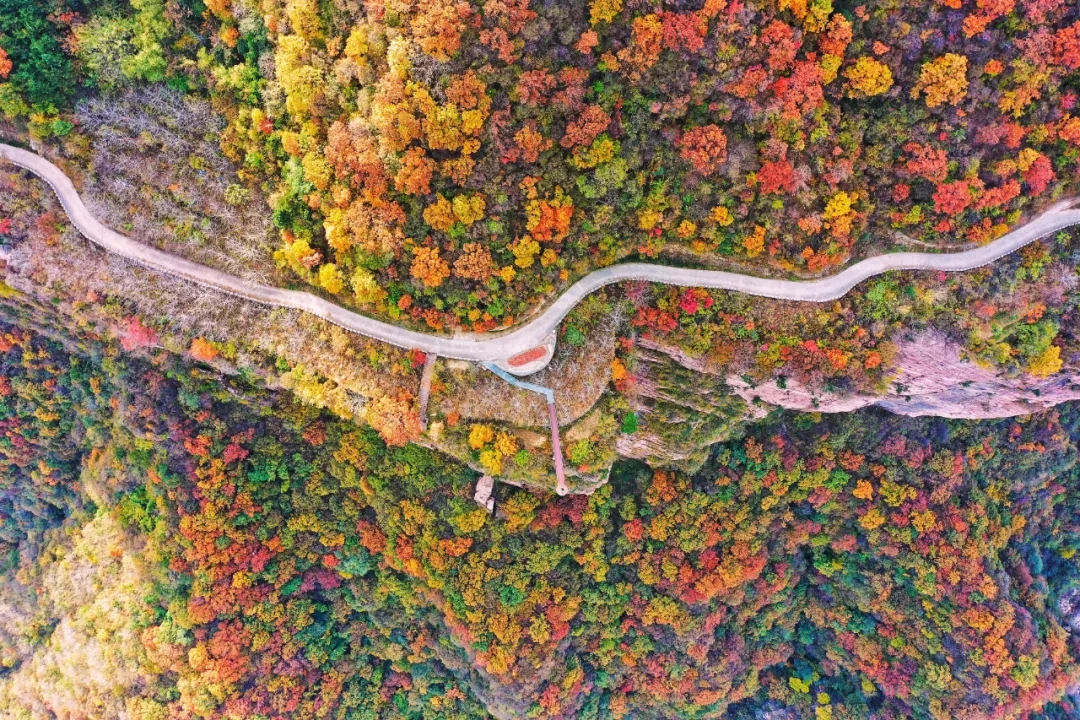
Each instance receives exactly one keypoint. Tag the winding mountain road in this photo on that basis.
(499, 347)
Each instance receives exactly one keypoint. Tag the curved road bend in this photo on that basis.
(500, 347)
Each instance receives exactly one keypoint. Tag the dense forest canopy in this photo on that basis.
(453, 162)
(842, 566)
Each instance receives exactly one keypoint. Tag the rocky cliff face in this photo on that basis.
(931, 379)
(682, 409)
(685, 405)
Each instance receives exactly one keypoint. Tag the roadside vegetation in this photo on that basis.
(152, 169)
(1018, 315)
(451, 165)
(1014, 318)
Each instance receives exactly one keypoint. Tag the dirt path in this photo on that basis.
(425, 387)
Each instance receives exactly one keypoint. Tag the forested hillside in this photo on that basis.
(280, 562)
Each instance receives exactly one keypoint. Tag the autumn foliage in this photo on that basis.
(943, 80)
(705, 148)
(863, 563)
(562, 139)
(202, 349)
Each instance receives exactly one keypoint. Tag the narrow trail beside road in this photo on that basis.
(498, 347)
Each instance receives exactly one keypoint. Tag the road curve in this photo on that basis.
(501, 346)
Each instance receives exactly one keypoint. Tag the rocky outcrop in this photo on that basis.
(682, 410)
(932, 378)
(686, 404)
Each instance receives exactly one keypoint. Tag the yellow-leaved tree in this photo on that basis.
(429, 268)
(943, 80)
(868, 77)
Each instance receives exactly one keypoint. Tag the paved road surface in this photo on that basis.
(501, 346)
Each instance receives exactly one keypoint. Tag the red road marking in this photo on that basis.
(527, 357)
